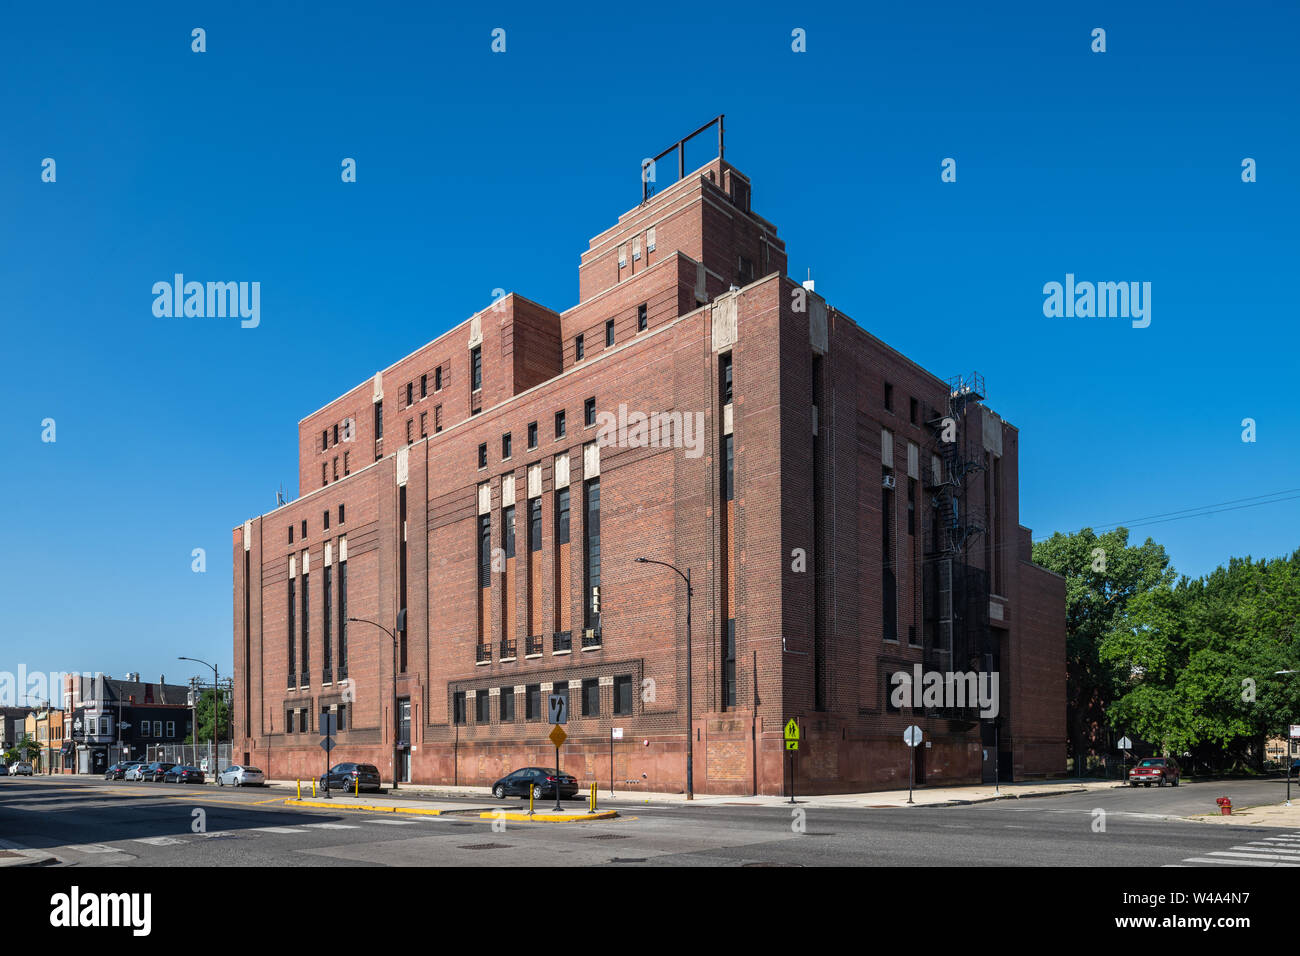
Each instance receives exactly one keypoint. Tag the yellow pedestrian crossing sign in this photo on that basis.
(791, 735)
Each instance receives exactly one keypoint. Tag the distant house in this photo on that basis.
(114, 719)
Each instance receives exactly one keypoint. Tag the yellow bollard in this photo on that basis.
(313, 786)
(591, 800)
(299, 788)
(357, 786)
(530, 801)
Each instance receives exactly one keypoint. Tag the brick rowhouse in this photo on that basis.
(868, 521)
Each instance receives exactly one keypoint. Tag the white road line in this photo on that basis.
(1228, 862)
(1256, 854)
(92, 848)
(158, 841)
(391, 823)
(278, 829)
(331, 826)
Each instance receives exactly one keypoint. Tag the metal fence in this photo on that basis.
(190, 755)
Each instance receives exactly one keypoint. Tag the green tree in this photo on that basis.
(1103, 575)
(1199, 662)
(206, 712)
(28, 748)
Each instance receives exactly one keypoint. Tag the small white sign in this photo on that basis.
(1125, 743)
(1295, 730)
(912, 736)
(617, 733)
(558, 704)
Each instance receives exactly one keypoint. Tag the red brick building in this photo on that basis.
(844, 514)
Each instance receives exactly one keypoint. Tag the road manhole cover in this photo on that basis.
(486, 846)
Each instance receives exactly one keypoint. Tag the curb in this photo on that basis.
(548, 817)
(326, 805)
(1005, 796)
(26, 856)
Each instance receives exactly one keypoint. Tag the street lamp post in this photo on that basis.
(401, 626)
(216, 723)
(690, 729)
(1288, 748)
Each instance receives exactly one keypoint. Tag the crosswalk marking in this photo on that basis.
(332, 826)
(1280, 849)
(158, 841)
(279, 829)
(392, 823)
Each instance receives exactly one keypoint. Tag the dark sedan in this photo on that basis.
(155, 770)
(542, 781)
(351, 777)
(183, 774)
(118, 770)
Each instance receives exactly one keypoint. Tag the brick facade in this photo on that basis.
(808, 639)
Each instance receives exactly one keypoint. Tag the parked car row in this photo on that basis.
(162, 771)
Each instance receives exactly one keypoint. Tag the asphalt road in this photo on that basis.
(86, 821)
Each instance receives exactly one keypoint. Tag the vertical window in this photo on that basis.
(424, 424)
(609, 333)
(534, 524)
(589, 411)
(340, 514)
(379, 419)
(532, 434)
(562, 516)
(505, 446)
(293, 631)
(911, 506)
(424, 386)
(623, 694)
(889, 397)
(336, 434)
(508, 530)
(327, 620)
(341, 717)
(324, 476)
(482, 455)
(724, 374)
(291, 534)
(484, 551)
(577, 349)
(325, 519)
(347, 469)
(591, 548)
(458, 707)
(437, 379)
(437, 419)
(729, 468)
(590, 697)
(336, 467)
(303, 678)
(641, 320)
(559, 424)
(533, 702)
(729, 664)
(288, 722)
(476, 368)
(890, 596)
(912, 410)
(481, 707)
(410, 427)
(324, 440)
(410, 394)
(304, 529)
(343, 619)
(507, 705)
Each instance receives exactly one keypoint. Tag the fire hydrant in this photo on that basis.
(1225, 806)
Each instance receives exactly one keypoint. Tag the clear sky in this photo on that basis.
(478, 170)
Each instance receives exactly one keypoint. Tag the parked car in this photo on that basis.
(118, 770)
(154, 771)
(4, 770)
(135, 771)
(21, 769)
(238, 775)
(351, 776)
(1157, 770)
(542, 781)
(183, 774)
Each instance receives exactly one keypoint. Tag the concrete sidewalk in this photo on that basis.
(1265, 815)
(423, 795)
(15, 854)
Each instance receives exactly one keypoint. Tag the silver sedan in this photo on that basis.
(239, 775)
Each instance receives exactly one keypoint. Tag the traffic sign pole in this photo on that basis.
(557, 778)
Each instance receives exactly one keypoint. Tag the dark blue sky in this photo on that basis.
(479, 170)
